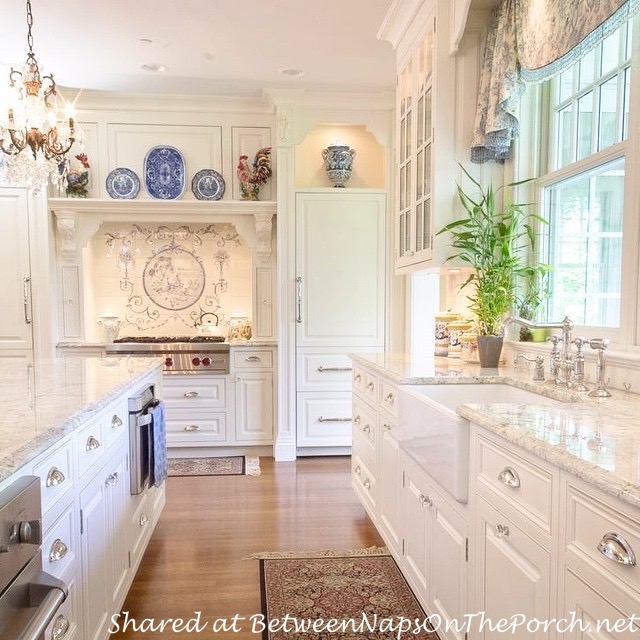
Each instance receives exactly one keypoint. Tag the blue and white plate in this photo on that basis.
(208, 184)
(123, 184)
(164, 173)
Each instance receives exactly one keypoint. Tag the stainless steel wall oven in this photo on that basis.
(29, 597)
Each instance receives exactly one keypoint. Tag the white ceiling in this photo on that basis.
(209, 47)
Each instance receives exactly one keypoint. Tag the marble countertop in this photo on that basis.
(43, 401)
(595, 439)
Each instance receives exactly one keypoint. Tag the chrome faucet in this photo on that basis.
(538, 371)
(567, 368)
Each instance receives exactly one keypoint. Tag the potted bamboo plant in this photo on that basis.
(494, 242)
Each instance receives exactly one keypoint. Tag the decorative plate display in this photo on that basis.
(208, 184)
(122, 183)
(164, 171)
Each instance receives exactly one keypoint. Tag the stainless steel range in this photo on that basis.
(182, 354)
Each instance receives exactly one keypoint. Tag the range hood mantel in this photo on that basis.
(77, 219)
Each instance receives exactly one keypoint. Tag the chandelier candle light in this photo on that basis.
(37, 145)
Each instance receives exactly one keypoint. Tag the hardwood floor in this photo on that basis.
(194, 561)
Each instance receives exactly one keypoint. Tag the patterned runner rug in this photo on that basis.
(223, 466)
(357, 596)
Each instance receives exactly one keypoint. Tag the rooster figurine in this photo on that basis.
(253, 176)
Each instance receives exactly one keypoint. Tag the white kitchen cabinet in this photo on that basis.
(16, 320)
(253, 376)
(340, 295)
(425, 108)
(104, 543)
(434, 548)
(599, 588)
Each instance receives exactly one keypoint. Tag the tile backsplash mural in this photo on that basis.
(166, 279)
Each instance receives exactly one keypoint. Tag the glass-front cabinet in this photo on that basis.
(422, 121)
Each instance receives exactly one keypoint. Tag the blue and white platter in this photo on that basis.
(123, 184)
(207, 184)
(164, 173)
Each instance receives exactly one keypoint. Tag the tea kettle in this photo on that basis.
(207, 325)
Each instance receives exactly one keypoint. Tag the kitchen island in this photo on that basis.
(549, 528)
(66, 421)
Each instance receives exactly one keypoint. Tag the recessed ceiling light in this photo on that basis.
(153, 67)
(294, 73)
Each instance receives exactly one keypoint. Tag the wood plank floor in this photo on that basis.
(194, 561)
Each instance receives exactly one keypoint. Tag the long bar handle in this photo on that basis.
(299, 300)
(51, 593)
(26, 298)
(321, 419)
(322, 369)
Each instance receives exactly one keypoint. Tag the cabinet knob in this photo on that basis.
(92, 444)
(357, 471)
(116, 422)
(143, 519)
(190, 394)
(387, 426)
(366, 484)
(616, 548)
(60, 628)
(357, 377)
(425, 501)
(510, 477)
(389, 399)
(54, 477)
(112, 479)
(58, 550)
(370, 386)
(367, 428)
(502, 531)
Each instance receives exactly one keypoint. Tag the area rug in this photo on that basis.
(222, 466)
(353, 596)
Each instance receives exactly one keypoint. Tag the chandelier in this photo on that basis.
(35, 143)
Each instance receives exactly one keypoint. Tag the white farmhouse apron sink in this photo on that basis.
(436, 436)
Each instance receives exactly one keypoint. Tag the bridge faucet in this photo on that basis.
(600, 345)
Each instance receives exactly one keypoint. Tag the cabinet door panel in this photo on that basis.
(340, 265)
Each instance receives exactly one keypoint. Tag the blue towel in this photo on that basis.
(159, 435)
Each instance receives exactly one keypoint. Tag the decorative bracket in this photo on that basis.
(67, 232)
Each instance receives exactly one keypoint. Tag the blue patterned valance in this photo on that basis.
(533, 40)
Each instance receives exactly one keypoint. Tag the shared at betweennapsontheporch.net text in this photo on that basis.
(399, 626)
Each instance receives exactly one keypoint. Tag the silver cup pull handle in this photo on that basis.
(190, 394)
(510, 477)
(616, 548)
(54, 477)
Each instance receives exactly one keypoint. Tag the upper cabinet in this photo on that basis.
(433, 101)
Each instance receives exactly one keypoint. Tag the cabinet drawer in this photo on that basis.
(366, 385)
(209, 426)
(388, 396)
(592, 522)
(318, 371)
(56, 475)
(140, 529)
(90, 445)
(364, 483)
(526, 486)
(195, 391)
(253, 359)
(324, 421)
(58, 548)
(365, 421)
(115, 423)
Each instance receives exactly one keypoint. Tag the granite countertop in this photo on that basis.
(102, 345)
(44, 401)
(595, 439)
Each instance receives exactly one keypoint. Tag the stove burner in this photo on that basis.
(170, 339)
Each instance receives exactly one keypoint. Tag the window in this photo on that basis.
(584, 187)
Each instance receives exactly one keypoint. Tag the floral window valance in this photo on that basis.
(532, 40)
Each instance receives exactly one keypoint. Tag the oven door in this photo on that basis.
(140, 450)
(30, 602)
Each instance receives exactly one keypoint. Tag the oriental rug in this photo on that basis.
(360, 595)
(222, 466)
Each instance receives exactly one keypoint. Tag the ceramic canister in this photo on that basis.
(442, 331)
(456, 329)
(469, 344)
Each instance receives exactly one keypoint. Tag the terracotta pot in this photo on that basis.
(489, 350)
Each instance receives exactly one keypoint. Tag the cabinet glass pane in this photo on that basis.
(426, 176)
(420, 170)
(409, 136)
(427, 114)
(402, 234)
(403, 193)
(426, 224)
(407, 190)
(403, 140)
(425, 62)
(419, 227)
(420, 130)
